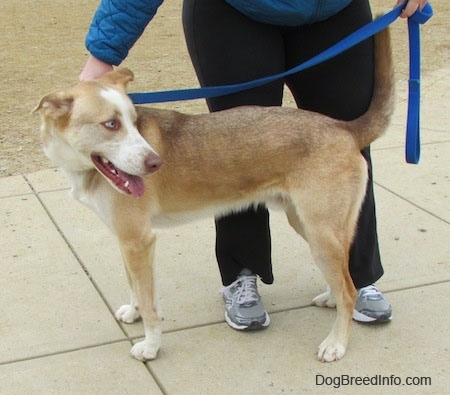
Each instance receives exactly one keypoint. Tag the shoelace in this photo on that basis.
(370, 290)
(246, 290)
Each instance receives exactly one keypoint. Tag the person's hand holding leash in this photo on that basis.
(411, 7)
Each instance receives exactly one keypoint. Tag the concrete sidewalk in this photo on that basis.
(62, 279)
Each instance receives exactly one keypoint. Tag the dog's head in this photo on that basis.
(93, 125)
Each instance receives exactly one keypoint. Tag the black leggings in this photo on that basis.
(226, 47)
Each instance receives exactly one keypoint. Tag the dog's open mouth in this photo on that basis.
(127, 183)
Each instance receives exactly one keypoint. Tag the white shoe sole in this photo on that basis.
(357, 316)
(253, 326)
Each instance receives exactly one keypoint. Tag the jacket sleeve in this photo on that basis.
(117, 25)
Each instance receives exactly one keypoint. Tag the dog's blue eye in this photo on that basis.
(112, 124)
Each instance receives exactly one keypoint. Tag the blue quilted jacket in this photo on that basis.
(118, 24)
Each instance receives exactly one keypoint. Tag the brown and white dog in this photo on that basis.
(136, 166)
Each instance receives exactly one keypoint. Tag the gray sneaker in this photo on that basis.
(371, 306)
(243, 307)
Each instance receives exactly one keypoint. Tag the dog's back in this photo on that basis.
(274, 125)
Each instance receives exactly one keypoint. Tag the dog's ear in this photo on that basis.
(120, 77)
(56, 105)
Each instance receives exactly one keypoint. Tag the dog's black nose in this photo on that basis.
(153, 163)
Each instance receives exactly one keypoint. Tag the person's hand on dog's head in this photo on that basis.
(94, 68)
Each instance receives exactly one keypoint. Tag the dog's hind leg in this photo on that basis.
(329, 233)
(331, 255)
(294, 219)
(327, 206)
(326, 298)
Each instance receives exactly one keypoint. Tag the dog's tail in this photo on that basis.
(374, 122)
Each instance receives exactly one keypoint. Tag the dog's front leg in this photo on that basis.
(138, 255)
(129, 313)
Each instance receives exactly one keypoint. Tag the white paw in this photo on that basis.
(146, 350)
(325, 299)
(128, 314)
(331, 350)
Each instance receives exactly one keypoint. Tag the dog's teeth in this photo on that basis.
(127, 184)
(114, 171)
(104, 160)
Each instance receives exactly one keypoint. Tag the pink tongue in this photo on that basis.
(136, 185)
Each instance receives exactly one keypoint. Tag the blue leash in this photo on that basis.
(412, 148)
(412, 132)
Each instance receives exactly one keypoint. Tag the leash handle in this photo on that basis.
(412, 146)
